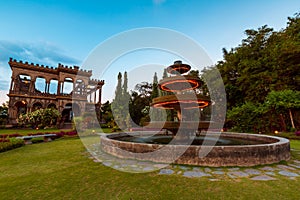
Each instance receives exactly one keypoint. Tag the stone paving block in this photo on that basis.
(286, 167)
(233, 169)
(218, 172)
(287, 173)
(166, 171)
(252, 171)
(184, 167)
(270, 173)
(238, 174)
(268, 168)
(195, 174)
(149, 168)
(263, 178)
(295, 166)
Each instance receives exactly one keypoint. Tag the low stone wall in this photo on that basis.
(274, 150)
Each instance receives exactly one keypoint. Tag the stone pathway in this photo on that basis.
(262, 173)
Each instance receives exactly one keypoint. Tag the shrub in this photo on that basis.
(68, 133)
(297, 133)
(40, 118)
(37, 140)
(14, 135)
(12, 143)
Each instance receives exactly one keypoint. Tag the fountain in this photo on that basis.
(192, 142)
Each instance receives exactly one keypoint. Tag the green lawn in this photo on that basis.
(27, 131)
(61, 170)
(52, 130)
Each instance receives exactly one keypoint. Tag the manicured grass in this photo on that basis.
(52, 130)
(27, 131)
(61, 170)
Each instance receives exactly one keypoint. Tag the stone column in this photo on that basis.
(32, 84)
(45, 91)
(58, 87)
(99, 95)
(95, 95)
(62, 87)
(12, 82)
(48, 86)
(74, 85)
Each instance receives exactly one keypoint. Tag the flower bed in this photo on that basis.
(5, 136)
(9, 141)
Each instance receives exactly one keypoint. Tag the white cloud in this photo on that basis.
(37, 52)
(5, 74)
(3, 96)
(34, 52)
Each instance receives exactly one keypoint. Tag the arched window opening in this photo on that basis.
(21, 107)
(23, 83)
(67, 86)
(51, 105)
(36, 106)
(40, 85)
(70, 110)
(53, 86)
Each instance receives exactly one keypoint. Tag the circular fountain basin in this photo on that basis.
(229, 149)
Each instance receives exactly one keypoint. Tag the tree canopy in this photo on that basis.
(264, 70)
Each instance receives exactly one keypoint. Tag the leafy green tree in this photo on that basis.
(107, 115)
(3, 113)
(284, 101)
(245, 118)
(140, 103)
(264, 63)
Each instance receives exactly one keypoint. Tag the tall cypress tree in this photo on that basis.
(118, 92)
(125, 84)
(119, 105)
(155, 87)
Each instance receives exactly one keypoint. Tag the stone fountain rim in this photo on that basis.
(279, 140)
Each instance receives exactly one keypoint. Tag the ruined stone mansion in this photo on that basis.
(70, 90)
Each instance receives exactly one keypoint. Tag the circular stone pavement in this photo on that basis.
(291, 170)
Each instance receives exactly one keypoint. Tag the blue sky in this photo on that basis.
(48, 32)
